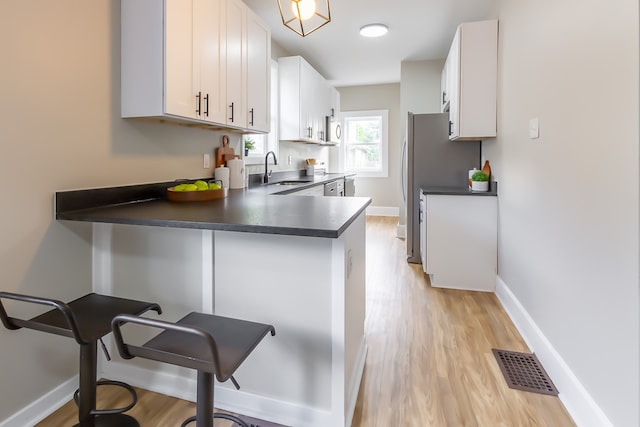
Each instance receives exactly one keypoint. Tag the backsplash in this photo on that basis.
(298, 152)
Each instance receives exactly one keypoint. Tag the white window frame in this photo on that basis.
(383, 172)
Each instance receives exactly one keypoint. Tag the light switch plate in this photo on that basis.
(206, 161)
(534, 128)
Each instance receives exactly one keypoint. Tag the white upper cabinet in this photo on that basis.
(209, 73)
(180, 67)
(305, 101)
(335, 103)
(444, 87)
(187, 60)
(470, 81)
(236, 63)
(258, 73)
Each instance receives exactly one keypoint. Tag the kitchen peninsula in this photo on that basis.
(296, 262)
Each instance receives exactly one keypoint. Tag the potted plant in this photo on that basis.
(480, 181)
(249, 144)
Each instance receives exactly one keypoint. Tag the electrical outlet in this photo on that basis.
(206, 161)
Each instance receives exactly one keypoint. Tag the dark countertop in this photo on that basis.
(258, 209)
(459, 191)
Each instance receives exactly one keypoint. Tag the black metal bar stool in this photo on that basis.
(210, 344)
(87, 320)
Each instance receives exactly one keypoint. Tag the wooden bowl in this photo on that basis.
(194, 196)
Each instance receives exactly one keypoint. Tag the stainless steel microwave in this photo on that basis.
(334, 130)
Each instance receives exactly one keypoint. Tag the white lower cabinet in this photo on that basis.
(423, 231)
(461, 241)
(316, 190)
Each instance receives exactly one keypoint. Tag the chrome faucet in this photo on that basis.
(267, 175)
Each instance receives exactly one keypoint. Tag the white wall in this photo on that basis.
(60, 128)
(384, 192)
(420, 86)
(568, 201)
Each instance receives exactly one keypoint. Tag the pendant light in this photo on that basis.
(304, 16)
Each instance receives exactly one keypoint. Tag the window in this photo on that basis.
(365, 147)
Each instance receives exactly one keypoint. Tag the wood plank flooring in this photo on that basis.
(429, 361)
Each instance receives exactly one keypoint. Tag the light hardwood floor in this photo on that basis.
(429, 361)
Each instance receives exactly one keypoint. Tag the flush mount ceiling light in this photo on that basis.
(374, 30)
(304, 16)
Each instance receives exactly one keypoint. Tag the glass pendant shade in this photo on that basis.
(304, 16)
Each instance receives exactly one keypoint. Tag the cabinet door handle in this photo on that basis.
(450, 128)
(198, 102)
(444, 96)
(251, 121)
(206, 105)
(231, 118)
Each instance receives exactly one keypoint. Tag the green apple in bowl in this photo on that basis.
(201, 185)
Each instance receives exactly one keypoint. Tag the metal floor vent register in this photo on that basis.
(523, 371)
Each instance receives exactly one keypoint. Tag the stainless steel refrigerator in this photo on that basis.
(430, 159)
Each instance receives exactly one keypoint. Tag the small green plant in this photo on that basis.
(479, 177)
(249, 144)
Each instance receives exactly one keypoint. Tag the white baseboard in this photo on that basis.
(383, 211)
(229, 399)
(578, 402)
(238, 401)
(354, 385)
(41, 408)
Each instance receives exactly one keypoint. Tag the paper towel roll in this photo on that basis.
(222, 173)
(236, 173)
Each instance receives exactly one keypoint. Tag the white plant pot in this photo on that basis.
(480, 185)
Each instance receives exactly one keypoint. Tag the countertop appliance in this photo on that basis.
(333, 129)
(431, 159)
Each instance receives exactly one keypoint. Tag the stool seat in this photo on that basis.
(212, 345)
(86, 319)
(92, 315)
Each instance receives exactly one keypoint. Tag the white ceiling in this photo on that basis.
(418, 30)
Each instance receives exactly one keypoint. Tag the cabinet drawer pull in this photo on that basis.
(231, 118)
(198, 102)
